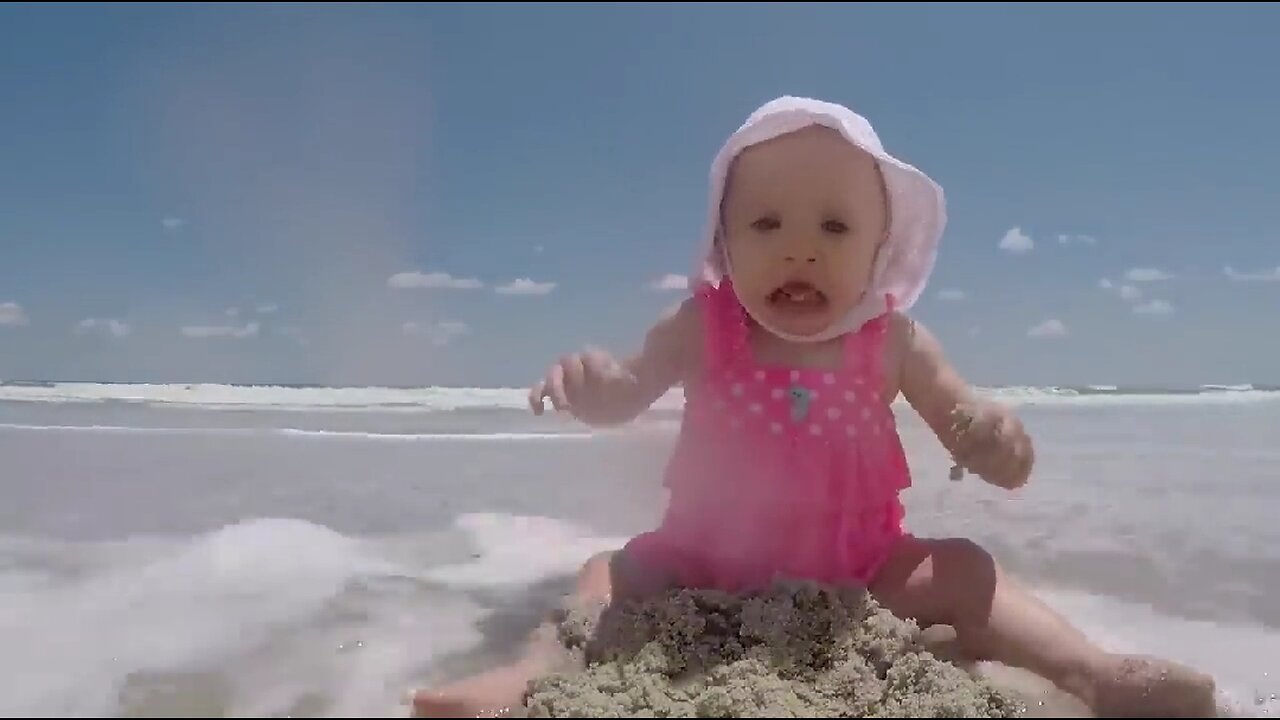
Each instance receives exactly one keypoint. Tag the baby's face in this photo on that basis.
(803, 216)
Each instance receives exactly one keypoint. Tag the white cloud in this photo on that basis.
(434, 280)
(670, 281)
(441, 333)
(1051, 328)
(12, 314)
(1272, 275)
(221, 331)
(1129, 293)
(1017, 242)
(951, 295)
(1077, 240)
(1145, 275)
(525, 286)
(267, 309)
(109, 326)
(1105, 284)
(1153, 307)
(173, 223)
(232, 312)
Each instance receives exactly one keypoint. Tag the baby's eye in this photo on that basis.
(765, 224)
(835, 226)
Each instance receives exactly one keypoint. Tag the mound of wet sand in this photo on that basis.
(794, 650)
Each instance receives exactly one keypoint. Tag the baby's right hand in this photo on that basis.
(592, 386)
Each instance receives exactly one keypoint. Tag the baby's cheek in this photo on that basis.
(859, 262)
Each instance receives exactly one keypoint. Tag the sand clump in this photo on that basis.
(793, 650)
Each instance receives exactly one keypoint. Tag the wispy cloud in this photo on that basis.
(268, 309)
(432, 280)
(109, 326)
(12, 315)
(1146, 275)
(1049, 329)
(440, 333)
(525, 286)
(1133, 294)
(951, 295)
(221, 331)
(232, 312)
(1077, 240)
(173, 224)
(1016, 242)
(670, 281)
(1272, 275)
(1130, 293)
(1153, 307)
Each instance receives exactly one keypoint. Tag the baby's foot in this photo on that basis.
(496, 693)
(1139, 686)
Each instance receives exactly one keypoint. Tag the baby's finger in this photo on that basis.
(595, 363)
(555, 387)
(536, 395)
(573, 375)
(601, 368)
(1023, 461)
(1011, 463)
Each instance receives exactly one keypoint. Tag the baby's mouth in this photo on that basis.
(798, 295)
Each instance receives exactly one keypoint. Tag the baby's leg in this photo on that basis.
(496, 692)
(957, 583)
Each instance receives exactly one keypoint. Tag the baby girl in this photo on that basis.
(793, 345)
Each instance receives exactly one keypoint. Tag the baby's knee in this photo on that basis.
(595, 583)
(966, 575)
(641, 570)
(962, 555)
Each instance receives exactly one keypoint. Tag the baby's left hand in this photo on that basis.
(992, 444)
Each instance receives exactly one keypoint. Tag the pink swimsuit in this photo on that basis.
(779, 471)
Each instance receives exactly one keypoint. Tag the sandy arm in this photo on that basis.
(929, 382)
(985, 437)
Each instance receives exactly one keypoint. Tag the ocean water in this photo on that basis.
(212, 550)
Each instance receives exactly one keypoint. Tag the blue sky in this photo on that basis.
(200, 193)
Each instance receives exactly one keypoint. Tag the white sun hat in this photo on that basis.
(917, 209)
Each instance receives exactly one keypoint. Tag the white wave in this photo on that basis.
(253, 602)
(294, 432)
(443, 399)
(458, 437)
(516, 550)
(272, 397)
(1031, 396)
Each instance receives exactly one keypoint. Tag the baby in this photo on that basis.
(791, 349)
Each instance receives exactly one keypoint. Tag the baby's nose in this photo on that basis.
(802, 257)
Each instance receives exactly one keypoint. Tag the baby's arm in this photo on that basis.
(599, 390)
(929, 382)
(662, 361)
(983, 436)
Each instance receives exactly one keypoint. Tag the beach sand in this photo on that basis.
(794, 650)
